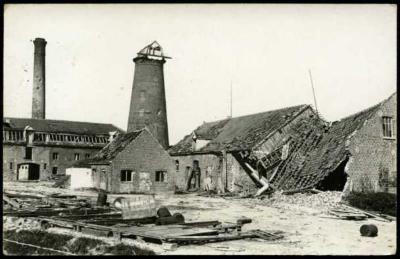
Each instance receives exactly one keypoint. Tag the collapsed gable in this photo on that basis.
(239, 133)
(324, 157)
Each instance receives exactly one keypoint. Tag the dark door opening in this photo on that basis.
(336, 179)
(28, 172)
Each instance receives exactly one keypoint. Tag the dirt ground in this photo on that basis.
(307, 228)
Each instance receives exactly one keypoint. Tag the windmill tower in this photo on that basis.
(148, 104)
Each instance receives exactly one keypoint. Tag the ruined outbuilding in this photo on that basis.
(359, 150)
(243, 153)
(134, 162)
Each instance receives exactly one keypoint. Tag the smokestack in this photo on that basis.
(39, 80)
(148, 104)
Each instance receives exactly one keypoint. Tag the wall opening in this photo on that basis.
(28, 172)
(336, 179)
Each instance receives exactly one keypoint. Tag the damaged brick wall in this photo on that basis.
(210, 161)
(372, 153)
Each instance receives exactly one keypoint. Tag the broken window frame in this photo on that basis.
(55, 156)
(387, 127)
(126, 175)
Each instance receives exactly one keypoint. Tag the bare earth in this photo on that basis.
(307, 227)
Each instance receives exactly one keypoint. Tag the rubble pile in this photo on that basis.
(322, 201)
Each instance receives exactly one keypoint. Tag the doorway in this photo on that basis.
(28, 172)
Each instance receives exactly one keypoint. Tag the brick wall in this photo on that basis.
(148, 94)
(371, 152)
(41, 155)
(205, 160)
(144, 155)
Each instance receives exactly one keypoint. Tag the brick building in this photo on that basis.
(361, 150)
(134, 162)
(240, 153)
(148, 103)
(37, 149)
(357, 153)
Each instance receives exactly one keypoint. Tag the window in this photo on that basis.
(28, 153)
(387, 126)
(11, 165)
(126, 176)
(76, 156)
(87, 155)
(44, 166)
(177, 165)
(55, 156)
(54, 171)
(161, 176)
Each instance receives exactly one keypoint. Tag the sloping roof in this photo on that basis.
(329, 153)
(239, 133)
(60, 126)
(109, 152)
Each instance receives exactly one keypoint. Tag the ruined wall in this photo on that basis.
(372, 153)
(238, 179)
(144, 156)
(205, 160)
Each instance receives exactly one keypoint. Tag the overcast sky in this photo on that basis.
(264, 50)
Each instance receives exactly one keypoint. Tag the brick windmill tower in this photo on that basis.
(148, 104)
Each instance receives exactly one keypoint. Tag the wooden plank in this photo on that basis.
(11, 202)
(202, 223)
(368, 213)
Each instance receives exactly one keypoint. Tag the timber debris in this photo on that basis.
(71, 212)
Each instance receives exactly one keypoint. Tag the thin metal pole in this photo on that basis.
(312, 86)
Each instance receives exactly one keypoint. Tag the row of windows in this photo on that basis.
(127, 176)
(72, 138)
(55, 156)
(15, 135)
(77, 156)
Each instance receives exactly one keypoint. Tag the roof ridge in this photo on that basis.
(57, 120)
(258, 113)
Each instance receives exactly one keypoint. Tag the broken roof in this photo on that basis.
(60, 126)
(329, 153)
(239, 133)
(111, 150)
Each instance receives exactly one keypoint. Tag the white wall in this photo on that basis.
(80, 177)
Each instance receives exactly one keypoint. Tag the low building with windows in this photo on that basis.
(133, 162)
(40, 149)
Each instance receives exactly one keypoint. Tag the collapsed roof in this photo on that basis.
(239, 133)
(327, 155)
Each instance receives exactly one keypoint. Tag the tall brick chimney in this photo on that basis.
(39, 80)
(148, 104)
